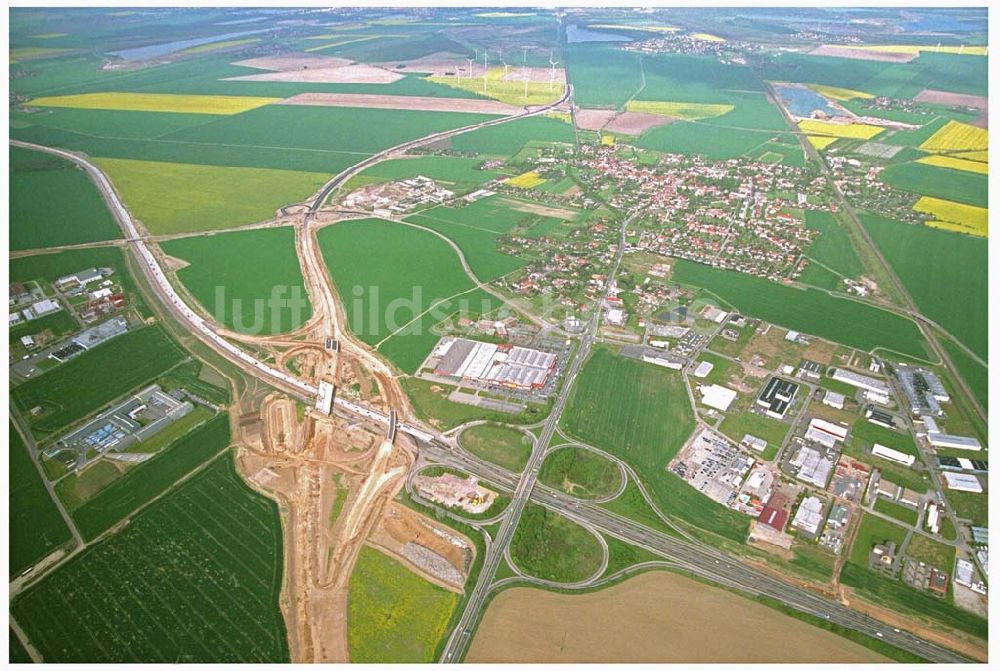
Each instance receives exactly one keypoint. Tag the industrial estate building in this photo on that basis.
(825, 433)
(860, 381)
(777, 397)
(489, 363)
(131, 421)
(923, 389)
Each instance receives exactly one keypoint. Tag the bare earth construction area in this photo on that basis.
(655, 617)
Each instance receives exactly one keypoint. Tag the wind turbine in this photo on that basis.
(470, 67)
(524, 54)
(552, 73)
(486, 67)
(505, 66)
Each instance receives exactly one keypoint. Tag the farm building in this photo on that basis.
(506, 365)
(825, 433)
(963, 482)
(777, 396)
(82, 278)
(754, 443)
(924, 391)
(718, 397)
(774, 514)
(809, 516)
(813, 467)
(893, 455)
(881, 418)
(834, 400)
(954, 442)
(860, 381)
(703, 369)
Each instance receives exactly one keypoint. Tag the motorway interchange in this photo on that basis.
(682, 553)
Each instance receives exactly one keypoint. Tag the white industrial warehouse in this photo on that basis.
(506, 365)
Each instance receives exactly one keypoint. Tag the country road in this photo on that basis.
(702, 560)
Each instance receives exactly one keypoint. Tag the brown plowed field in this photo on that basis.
(654, 617)
(593, 119)
(862, 54)
(636, 123)
(376, 101)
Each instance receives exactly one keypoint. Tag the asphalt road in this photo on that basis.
(698, 558)
(461, 636)
(702, 560)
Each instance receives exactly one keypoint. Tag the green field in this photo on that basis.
(36, 527)
(944, 72)
(17, 654)
(430, 401)
(931, 552)
(475, 229)
(546, 545)
(833, 247)
(870, 433)
(903, 598)
(872, 532)
(148, 480)
(182, 198)
(737, 425)
(936, 266)
(388, 275)
(580, 473)
(250, 281)
(928, 180)
(639, 412)
(975, 374)
(819, 277)
(507, 139)
(717, 143)
(970, 506)
(394, 615)
(904, 514)
(340, 129)
(52, 202)
(86, 382)
(810, 311)
(194, 578)
(602, 77)
(504, 446)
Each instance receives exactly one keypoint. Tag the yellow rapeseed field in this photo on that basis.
(679, 110)
(947, 161)
(838, 93)
(821, 141)
(983, 156)
(954, 216)
(156, 102)
(608, 140)
(510, 91)
(956, 136)
(706, 37)
(527, 180)
(855, 131)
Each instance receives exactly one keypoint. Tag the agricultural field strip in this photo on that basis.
(440, 301)
(171, 519)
